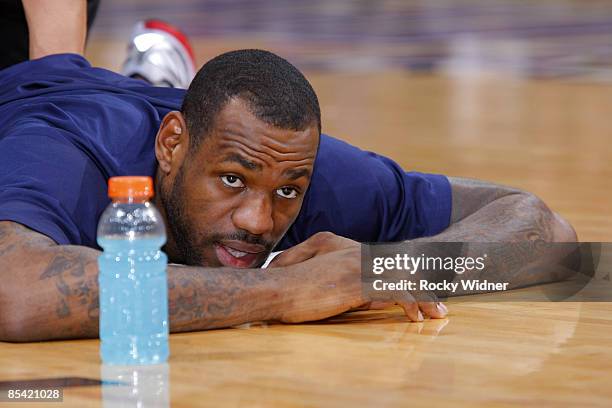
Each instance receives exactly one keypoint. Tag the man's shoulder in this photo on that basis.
(338, 158)
(110, 117)
(72, 75)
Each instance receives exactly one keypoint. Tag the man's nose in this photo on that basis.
(254, 214)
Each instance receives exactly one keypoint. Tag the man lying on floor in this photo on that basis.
(240, 168)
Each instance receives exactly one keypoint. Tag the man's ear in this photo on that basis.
(171, 142)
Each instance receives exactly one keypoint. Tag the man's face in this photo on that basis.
(231, 201)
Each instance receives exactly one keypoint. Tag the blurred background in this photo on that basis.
(513, 91)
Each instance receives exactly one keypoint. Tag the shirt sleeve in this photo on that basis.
(49, 185)
(369, 198)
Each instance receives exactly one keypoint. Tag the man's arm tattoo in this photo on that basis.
(209, 298)
(63, 283)
(75, 288)
(516, 229)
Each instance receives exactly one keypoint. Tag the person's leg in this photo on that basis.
(57, 26)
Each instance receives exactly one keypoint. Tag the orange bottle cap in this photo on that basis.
(130, 186)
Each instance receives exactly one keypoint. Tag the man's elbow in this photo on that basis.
(13, 322)
(558, 228)
(19, 312)
(563, 230)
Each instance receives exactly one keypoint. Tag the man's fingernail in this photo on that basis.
(420, 317)
(442, 308)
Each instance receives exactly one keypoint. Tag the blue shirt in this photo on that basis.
(66, 127)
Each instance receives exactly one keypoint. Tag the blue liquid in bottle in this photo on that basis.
(133, 287)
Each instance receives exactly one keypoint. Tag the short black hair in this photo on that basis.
(276, 92)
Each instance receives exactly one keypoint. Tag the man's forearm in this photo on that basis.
(53, 294)
(510, 222)
(208, 298)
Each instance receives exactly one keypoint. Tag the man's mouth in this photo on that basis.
(238, 254)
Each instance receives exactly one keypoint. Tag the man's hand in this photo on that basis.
(323, 279)
(318, 244)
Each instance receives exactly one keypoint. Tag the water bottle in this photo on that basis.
(133, 287)
(140, 386)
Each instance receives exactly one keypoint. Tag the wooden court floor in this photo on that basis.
(513, 92)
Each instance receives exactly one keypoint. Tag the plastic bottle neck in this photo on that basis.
(130, 200)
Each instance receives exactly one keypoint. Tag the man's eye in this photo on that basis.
(287, 192)
(232, 181)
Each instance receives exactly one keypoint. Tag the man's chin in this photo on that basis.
(236, 259)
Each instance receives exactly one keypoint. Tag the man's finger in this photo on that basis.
(411, 307)
(434, 310)
(291, 257)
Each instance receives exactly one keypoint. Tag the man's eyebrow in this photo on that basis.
(294, 174)
(247, 164)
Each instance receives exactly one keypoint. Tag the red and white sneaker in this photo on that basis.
(161, 54)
